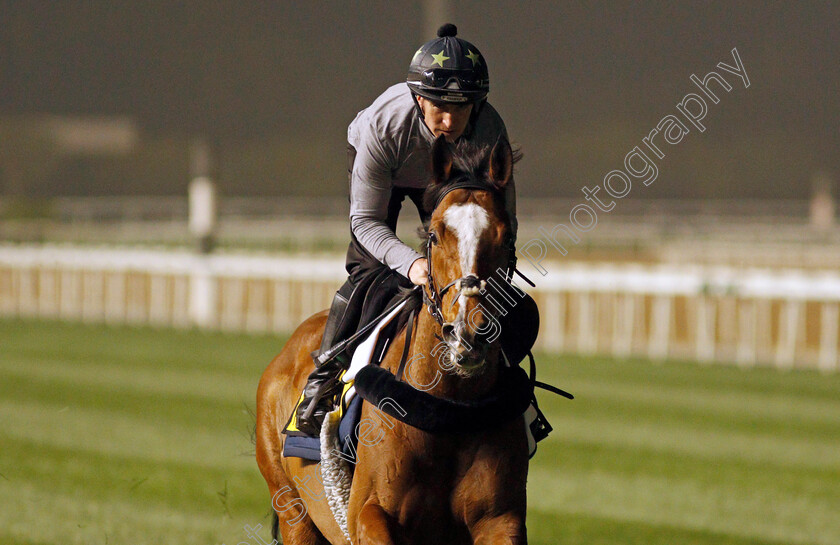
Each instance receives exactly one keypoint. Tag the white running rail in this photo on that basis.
(786, 318)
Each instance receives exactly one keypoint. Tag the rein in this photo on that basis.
(432, 296)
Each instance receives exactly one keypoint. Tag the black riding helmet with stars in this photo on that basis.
(449, 69)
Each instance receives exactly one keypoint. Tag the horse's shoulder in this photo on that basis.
(316, 320)
(293, 361)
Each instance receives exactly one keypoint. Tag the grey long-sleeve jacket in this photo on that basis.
(393, 147)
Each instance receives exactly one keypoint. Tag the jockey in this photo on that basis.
(389, 157)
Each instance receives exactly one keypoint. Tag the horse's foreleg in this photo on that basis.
(507, 529)
(375, 526)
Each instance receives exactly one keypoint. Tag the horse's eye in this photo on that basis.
(433, 237)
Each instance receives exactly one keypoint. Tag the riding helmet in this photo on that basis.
(449, 69)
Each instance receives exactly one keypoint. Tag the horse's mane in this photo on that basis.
(468, 161)
(413, 297)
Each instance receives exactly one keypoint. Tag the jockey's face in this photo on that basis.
(445, 118)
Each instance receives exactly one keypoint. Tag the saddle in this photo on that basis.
(370, 351)
(366, 380)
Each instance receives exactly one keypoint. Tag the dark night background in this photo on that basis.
(274, 85)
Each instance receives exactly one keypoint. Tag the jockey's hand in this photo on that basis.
(418, 273)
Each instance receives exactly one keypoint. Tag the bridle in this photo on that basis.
(469, 285)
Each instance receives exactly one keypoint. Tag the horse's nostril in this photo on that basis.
(448, 331)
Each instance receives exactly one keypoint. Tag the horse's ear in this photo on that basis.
(441, 160)
(501, 163)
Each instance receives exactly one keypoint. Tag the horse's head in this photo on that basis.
(468, 243)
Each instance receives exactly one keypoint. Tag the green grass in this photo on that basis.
(127, 435)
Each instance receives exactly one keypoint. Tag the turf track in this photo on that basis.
(142, 436)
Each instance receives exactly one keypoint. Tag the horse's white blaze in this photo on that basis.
(468, 221)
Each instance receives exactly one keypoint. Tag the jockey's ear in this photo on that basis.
(501, 163)
(441, 160)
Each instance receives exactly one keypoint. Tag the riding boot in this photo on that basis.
(323, 384)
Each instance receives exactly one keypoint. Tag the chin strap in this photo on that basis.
(417, 104)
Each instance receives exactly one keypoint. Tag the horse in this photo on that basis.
(413, 486)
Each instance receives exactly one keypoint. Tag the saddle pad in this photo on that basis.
(366, 352)
(309, 448)
(371, 350)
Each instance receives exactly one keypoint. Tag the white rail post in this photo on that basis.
(705, 329)
(661, 327)
(233, 304)
(115, 296)
(202, 197)
(624, 318)
(764, 329)
(256, 313)
(829, 318)
(788, 327)
(47, 293)
(69, 304)
(180, 300)
(727, 340)
(587, 338)
(136, 311)
(204, 291)
(555, 314)
(158, 300)
(615, 340)
(745, 355)
(93, 292)
(7, 292)
(27, 302)
(204, 285)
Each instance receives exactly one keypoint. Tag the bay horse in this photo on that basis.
(413, 486)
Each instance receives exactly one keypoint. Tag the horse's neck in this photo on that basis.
(427, 367)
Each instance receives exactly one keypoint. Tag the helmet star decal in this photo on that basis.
(439, 58)
(456, 74)
(476, 60)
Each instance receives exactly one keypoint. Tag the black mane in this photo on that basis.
(470, 163)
